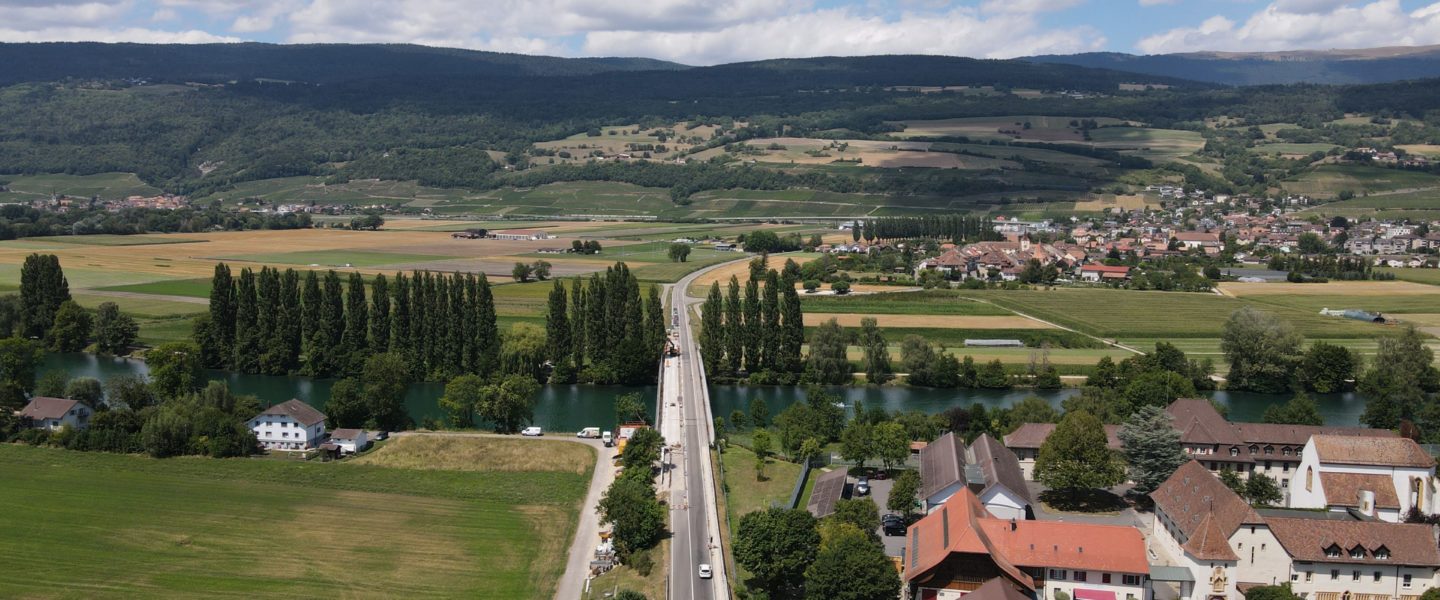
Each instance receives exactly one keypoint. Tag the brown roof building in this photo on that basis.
(942, 469)
(829, 487)
(1385, 452)
(1200, 513)
(1356, 542)
(302, 413)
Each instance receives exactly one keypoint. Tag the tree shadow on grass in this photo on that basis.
(1083, 501)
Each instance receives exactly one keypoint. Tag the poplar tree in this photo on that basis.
(597, 340)
(436, 312)
(487, 332)
(332, 324)
(654, 324)
(288, 329)
(400, 321)
(219, 343)
(557, 326)
(712, 331)
(43, 288)
(770, 323)
(247, 333)
(734, 328)
(455, 328)
(470, 322)
(357, 323)
(380, 314)
(577, 322)
(753, 328)
(312, 313)
(267, 321)
(792, 329)
(419, 311)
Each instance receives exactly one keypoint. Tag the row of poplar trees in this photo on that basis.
(277, 323)
(761, 333)
(601, 331)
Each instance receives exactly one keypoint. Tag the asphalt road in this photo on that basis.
(694, 522)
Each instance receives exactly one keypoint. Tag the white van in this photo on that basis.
(608, 439)
(588, 432)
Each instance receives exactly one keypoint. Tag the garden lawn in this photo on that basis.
(743, 493)
(98, 525)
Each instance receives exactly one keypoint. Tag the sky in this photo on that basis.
(705, 32)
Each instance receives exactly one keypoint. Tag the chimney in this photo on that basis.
(1367, 503)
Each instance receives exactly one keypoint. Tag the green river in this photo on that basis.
(572, 407)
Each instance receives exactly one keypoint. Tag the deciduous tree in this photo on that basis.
(1077, 456)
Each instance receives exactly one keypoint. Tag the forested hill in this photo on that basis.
(1373, 65)
(309, 63)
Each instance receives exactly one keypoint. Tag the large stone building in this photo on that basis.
(1229, 547)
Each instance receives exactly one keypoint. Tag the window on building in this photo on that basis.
(1376, 576)
(1285, 451)
(1382, 553)
(1294, 577)
(1080, 576)
(1357, 552)
(1104, 578)
(1267, 464)
(1405, 580)
(1285, 468)
(1309, 479)
(1333, 551)
(1268, 451)
(1285, 484)
(1130, 579)
(1354, 576)
(1057, 574)
(1254, 449)
(1234, 451)
(1309, 576)
(1334, 574)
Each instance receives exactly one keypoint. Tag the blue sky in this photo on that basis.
(715, 31)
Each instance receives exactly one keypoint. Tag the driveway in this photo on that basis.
(880, 493)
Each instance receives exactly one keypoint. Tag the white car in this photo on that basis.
(705, 571)
(532, 431)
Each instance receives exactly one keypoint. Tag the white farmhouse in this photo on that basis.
(55, 413)
(290, 425)
(1385, 477)
(349, 441)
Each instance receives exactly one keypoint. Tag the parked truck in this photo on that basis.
(589, 433)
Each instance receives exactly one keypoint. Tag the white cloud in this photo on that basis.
(1306, 24)
(30, 15)
(97, 34)
(834, 32)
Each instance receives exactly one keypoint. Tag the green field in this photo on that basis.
(141, 306)
(1292, 148)
(336, 258)
(307, 189)
(1427, 276)
(1419, 303)
(901, 303)
(84, 525)
(191, 288)
(1154, 144)
(108, 186)
(1135, 314)
(1327, 181)
(1428, 199)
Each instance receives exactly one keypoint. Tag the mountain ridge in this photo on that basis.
(1335, 66)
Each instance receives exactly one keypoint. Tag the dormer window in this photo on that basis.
(1234, 451)
(1269, 450)
(1254, 449)
(1333, 551)
(1285, 451)
(1382, 553)
(1357, 552)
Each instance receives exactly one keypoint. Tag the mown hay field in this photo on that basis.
(100, 525)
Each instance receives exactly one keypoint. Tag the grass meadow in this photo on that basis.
(105, 525)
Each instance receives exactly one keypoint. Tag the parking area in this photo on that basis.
(880, 493)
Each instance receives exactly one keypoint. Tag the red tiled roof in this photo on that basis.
(1012, 544)
(1307, 539)
(42, 407)
(1204, 510)
(1298, 435)
(302, 413)
(1105, 269)
(1033, 435)
(1389, 452)
(1343, 489)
